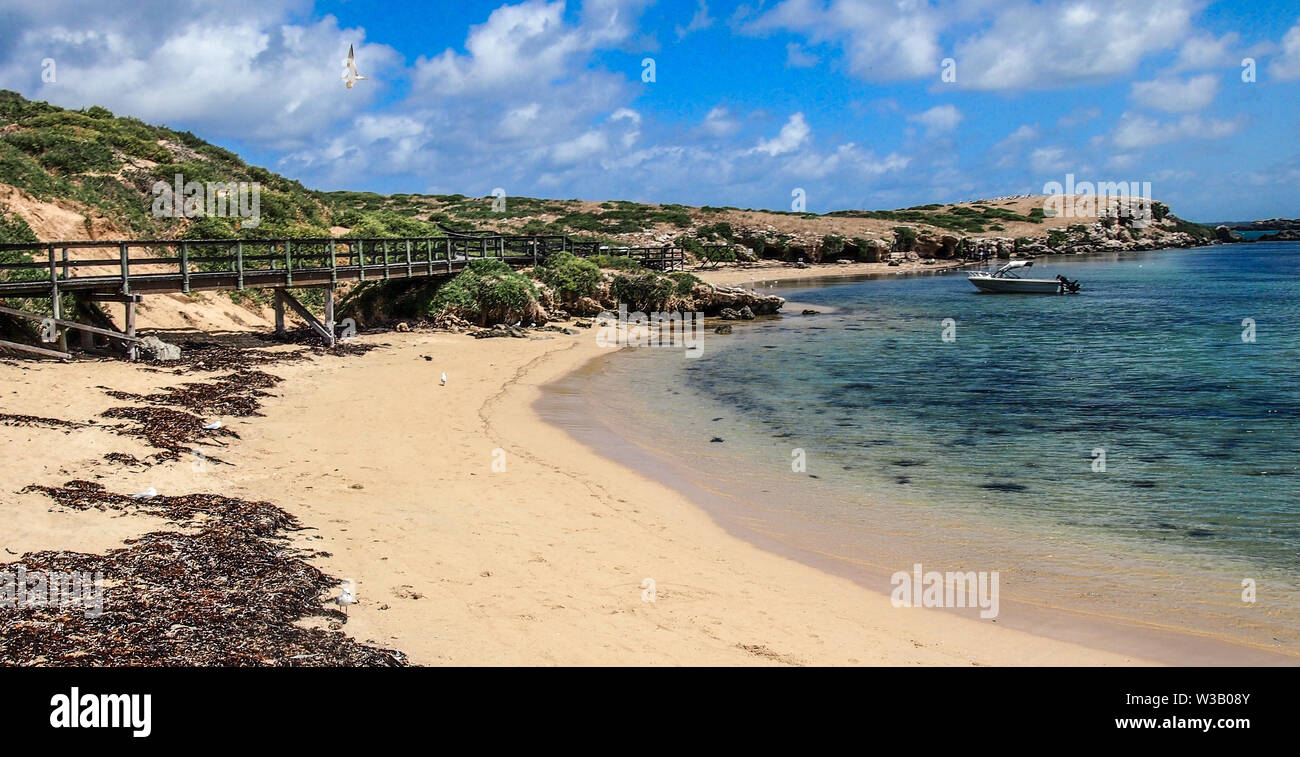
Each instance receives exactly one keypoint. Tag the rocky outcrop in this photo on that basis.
(711, 299)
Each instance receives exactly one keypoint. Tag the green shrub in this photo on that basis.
(832, 247)
(570, 276)
(684, 282)
(487, 291)
(615, 262)
(646, 291)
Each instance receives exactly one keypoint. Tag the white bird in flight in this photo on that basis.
(351, 76)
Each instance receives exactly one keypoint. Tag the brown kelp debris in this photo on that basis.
(9, 419)
(229, 593)
(173, 431)
(211, 356)
(308, 336)
(124, 459)
(236, 394)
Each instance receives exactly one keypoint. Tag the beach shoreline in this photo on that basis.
(559, 557)
(769, 522)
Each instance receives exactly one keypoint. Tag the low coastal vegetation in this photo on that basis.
(106, 168)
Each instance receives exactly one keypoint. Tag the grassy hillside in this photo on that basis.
(104, 166)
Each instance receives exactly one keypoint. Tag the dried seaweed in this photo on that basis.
(228, 593)
(9, 419)
(172, 431)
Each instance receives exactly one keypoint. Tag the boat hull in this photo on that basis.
(1015, 286)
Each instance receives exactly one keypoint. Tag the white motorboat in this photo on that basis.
(1007, 280)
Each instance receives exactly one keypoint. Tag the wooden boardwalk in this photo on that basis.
(124, 271)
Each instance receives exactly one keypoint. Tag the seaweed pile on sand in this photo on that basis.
(228, 590)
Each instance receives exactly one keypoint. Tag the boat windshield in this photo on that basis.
(1008, 271)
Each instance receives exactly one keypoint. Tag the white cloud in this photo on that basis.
(792, 136)
(1174, 95)
(1205, 51)
(701, 20)
(881, 40)
(720, 123)
(1080, 115)
(1049, 160)
(939, 119)
(1033, 46)
(1136, 132)
(797, 57)
(276, 82)
(1286, 65)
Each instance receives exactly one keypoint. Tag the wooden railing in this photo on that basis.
(151, 266)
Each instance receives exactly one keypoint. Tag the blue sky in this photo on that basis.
(751, 99)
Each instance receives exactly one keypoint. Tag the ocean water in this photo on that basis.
(1131, 451)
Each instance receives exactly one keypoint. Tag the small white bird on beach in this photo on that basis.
(351, 76)
(444, 378)
(149, 493)
(213, 426)
(348, 596)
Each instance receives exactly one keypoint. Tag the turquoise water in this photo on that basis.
(1200, 429)
(983, 451)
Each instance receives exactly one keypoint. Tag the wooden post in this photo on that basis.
(132, 352)
(277, 297)
(428, 248)
(361, 255)
(56, 302)
(126, 268)
(409, 272)
(385, 244)
(239, 264)
(185, 267)
(329, 315)
(332, 253)
(288, 263)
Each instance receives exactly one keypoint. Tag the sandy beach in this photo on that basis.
(476, 533)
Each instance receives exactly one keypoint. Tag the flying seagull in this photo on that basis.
(351, 76)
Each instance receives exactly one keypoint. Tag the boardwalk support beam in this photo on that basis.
(284, 298)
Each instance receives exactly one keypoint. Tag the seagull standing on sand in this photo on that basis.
(351, 76)
(347, 597)
(149, 493)
(213, 426)
(444, 378)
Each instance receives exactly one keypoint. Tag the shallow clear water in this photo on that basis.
(1008, 420)
(1148, 366)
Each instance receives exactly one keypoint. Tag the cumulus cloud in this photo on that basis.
(275, 82)
(881, 40)
(1136, 132)
(701, 20)
(1286, 65)
(797, 57)
(1207, 51)
(1033, 46)
(1176, 95)
(792, 136)
(720, 123)
(939, 119)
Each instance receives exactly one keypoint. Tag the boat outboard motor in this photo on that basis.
(1067, 286)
